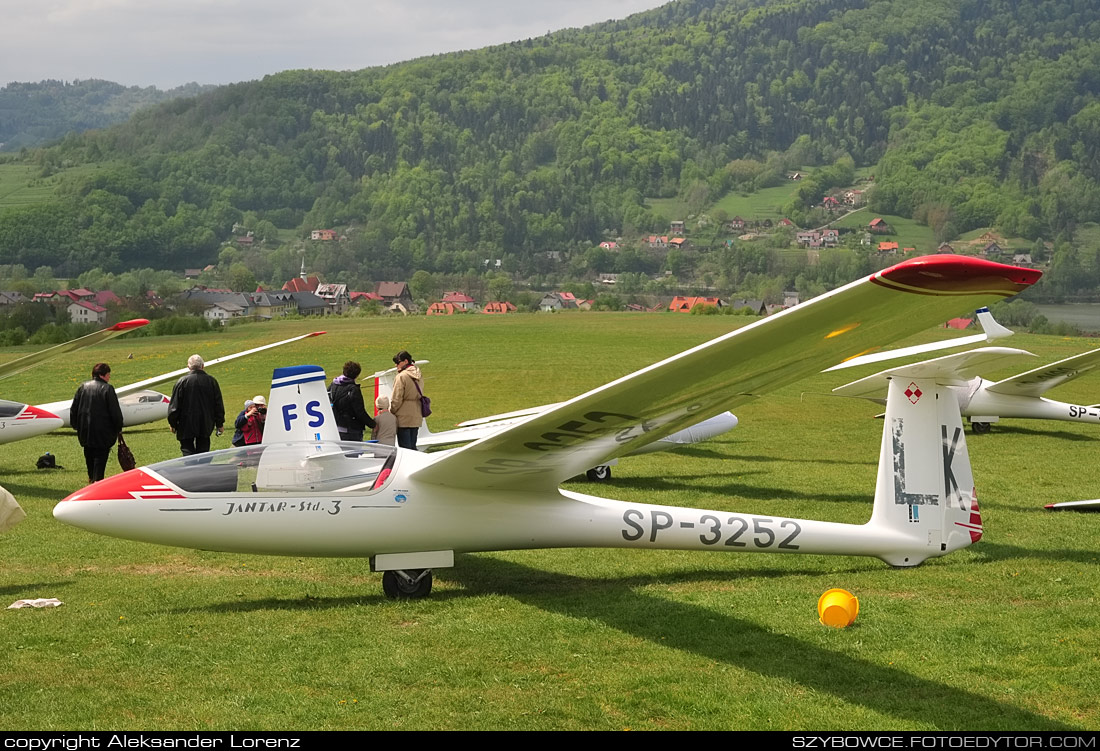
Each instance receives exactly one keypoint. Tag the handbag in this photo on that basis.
(125, 455)
(425, 402)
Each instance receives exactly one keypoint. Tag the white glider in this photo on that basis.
(139, 404)
(302, 492)
(985, 402)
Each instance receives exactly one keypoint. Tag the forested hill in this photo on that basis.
(33, 113)
(977, 112)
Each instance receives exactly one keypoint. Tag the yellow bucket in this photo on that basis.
(837, 608)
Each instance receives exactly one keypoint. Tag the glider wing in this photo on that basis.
(951, 370)
(1040, 380)
(637, 409)
(23, 363)
(141, 385)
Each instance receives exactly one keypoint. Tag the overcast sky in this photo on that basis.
(166, 43)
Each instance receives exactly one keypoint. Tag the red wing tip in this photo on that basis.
(317, 333)
(953, 272)
(136, 323)
(1049, 506)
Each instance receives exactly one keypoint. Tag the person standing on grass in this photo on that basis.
(385, 424)
(347, 404)
(97, 418)
(405, 400)
(196, 408)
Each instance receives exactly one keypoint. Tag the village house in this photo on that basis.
(83, 311)
(552, 301)
(657, 241)
(444, 309)
(461, 300)
(336, 295)
(879, 225)
(396, 297)
(608, 245)
(499, 308)
(676, 227)
(757, 307)
(324, 235)
(223, 311)
(682, 304)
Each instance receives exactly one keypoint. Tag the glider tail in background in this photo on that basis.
(298, 408)
(925, 489)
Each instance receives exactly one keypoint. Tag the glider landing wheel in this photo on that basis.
(980, 428)
(407, 585)
(601, 473)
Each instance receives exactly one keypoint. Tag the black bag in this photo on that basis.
(47, 461)
(425, 402)
(125, 455)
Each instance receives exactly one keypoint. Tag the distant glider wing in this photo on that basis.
(15, 367)
(1040, 380)
(950, 370)
(141, 385)
(626, 414)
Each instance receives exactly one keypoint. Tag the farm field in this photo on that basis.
(999, 636)
(20, 184)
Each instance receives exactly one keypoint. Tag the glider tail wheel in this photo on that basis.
(601, 473)
(407, 585)
(980, 428)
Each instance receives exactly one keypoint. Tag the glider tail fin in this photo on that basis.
(992, 329)
(299, 408)
(925, 496)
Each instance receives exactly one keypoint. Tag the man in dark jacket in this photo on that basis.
(97, 419)
(196, 408)
(347, 404)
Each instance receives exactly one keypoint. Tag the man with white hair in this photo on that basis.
(196, 408)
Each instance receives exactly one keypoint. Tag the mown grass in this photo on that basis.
(1001, 635)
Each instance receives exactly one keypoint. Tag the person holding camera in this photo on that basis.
(255, 417)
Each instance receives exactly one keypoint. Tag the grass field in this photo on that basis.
(20, 184)
(1001, 635)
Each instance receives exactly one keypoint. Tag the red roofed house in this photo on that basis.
(444, 309)
(878, 225)
(958, 323)
(460, 299)
(83, 311)
(499, 308)
(685, 304)
(325, 235)
(887, 247)
(107, 297)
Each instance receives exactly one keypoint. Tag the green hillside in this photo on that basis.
(973, 114)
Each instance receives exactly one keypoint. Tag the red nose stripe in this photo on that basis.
(33, 413)
(134, 485)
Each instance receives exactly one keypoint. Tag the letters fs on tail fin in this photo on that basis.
(298, 408)
(925, 490)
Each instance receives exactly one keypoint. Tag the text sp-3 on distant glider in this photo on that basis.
(139, 404)
(302, 492)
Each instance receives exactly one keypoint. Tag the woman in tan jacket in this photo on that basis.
(405, 400)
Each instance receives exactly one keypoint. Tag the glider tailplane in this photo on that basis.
(299, 408)
(925, 491)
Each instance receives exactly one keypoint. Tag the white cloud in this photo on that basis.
(169, 42)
